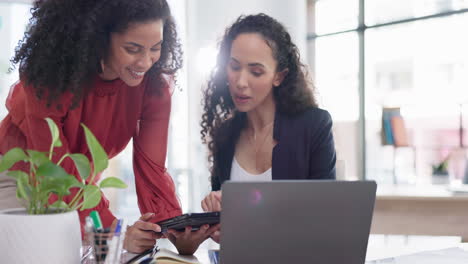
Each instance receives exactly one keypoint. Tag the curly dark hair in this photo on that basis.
(221, 123)
(66, 40)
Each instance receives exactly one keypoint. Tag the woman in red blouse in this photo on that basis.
(108, 64)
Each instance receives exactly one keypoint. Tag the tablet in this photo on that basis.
(195, 220)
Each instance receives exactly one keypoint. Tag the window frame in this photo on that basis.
(361, 32)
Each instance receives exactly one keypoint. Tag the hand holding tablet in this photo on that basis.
(195, 220)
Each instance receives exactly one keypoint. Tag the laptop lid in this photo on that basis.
(296, 221)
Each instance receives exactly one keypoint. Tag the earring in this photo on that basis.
(102, 65)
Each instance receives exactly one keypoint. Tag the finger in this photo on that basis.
(207, 203)
(135, 249)
(216, 236)
(159, 235)
(136, 233)
(148, 243)
(218, 200)
(218, 195)
(201, 230)
(175, 233)
(206, 231)
(213, 228)
(198, 235)
(211, 203)
(147, 226)
(209, 230)
(137, 246)
(146, 217)
(140, 234)
(142, 249)
(215, 203)
(188, 231)
(204, 205)
(217, 207)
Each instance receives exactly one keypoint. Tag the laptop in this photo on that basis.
(296, 221)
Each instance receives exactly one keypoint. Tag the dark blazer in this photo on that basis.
(305, 148)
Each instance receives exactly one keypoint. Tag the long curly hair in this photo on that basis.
(221, 123)
(66, 40)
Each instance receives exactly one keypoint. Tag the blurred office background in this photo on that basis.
(364, 56)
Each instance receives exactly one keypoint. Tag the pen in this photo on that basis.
(100, 241)
(96, 220)
(123, 230)
(111, 255)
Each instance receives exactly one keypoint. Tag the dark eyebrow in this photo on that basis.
(134, 44)
(256, 64)
(159, 43)
(253, 64)
(141, 46)
(236, 61)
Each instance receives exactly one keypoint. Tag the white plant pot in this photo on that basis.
(50, 238)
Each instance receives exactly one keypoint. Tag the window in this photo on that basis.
(407, 54)
(13, 20)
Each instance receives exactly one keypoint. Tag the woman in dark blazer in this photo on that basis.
(261, 120)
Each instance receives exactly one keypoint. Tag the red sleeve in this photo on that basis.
(38, 137)
(155, 187)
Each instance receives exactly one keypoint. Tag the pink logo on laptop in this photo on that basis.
(255, 197)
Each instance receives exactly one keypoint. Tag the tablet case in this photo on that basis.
(195, 220)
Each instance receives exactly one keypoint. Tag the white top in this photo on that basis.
(239, 174)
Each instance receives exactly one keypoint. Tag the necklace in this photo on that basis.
(257, 146)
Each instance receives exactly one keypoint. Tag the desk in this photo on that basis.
(425, 210)
(379, 247)
(447, 255)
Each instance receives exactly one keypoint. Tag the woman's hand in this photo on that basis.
(187, 242)
(216, 235)
(212, 202)
(142, 234)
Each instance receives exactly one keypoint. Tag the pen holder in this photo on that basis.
(100, 240)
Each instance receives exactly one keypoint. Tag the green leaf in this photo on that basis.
(23, 190)
(112, 182)
(82, 164)
(55, 179)
(52, 170)
(59, 186)
(38, 158)
(18, 175)
(54, 131)
(98, 154)
(11, 157)
(59, 205)
(92, 196)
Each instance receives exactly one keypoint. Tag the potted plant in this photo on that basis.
(43, 232)
(440, 174)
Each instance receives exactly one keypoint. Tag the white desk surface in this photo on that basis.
(419, 192)
(386, 246)
(380, 248)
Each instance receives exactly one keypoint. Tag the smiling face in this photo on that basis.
(251, 72)
(133, 52)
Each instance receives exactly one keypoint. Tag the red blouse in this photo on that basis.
(115, 113)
